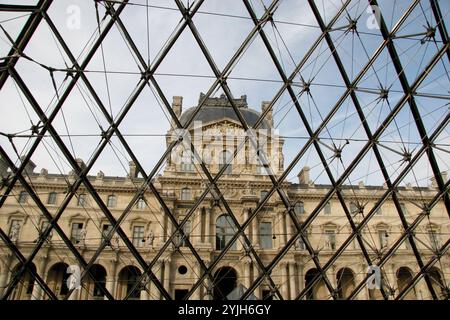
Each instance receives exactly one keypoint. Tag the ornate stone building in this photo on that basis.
(209, 227)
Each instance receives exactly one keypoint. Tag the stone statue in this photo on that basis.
(116, 241)
(15, 230)
(150, 239)
(82, 236)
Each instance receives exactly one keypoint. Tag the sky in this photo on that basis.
(223, 26)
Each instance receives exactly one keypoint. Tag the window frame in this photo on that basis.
(137, 240)
(52, 196)
(268, 236)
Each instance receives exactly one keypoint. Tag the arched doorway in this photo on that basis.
(128, 277)
(225, 280)
(57, 279)
(95, 287)
(345, 282)
(404, 277)
(319, 291)
(438, 284)
(23, 289)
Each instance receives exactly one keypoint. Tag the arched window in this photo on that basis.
(225, 157)
(185, 194)
(112, 201)
(51, 198)
(299, 208)
(225, 230)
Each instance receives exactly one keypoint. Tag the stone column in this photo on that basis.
(246, 281)
(154, 292)
(37, 289)
(111, 278)
(290, 227)
(256, 274)
(208, 234)
(392, 278)
(166, 280)
(364, 293)
(277, 231)
(196, 228)
(198, 271)
(255, 227)
(244, 218)
(207, 281)
(284, 281)
(283, 229)
(292, 278)
(301, 277)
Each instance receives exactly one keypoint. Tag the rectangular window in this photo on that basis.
(51, 198)
(75, 234)
(383, 238)
(265, 234)
(138, 236)
(81, 200)
(331, 239)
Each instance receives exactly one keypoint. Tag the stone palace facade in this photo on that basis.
(209, 228)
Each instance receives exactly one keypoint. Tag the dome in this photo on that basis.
(217, 109)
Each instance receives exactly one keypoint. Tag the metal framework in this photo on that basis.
(38, 14)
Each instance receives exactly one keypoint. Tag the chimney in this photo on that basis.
(303, 176)
(177, 104)
(29, 167)
(133, 172)
(269, 117)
